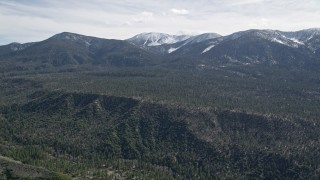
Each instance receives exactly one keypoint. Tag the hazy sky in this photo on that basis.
(34, 20)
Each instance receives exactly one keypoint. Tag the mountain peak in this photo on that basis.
(276, 36)
(202, 37)
(67, 35)
(155, 39)
(305, 36)
(153, 34)
(73, 37)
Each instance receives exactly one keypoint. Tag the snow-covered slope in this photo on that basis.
(271, 35)
(309, 37)
(251, 47)
(303, 35)
(203, 44)
(201, 38)
(156, 39)
(193, 40)
(167, 44)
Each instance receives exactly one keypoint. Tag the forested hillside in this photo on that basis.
(95, 131)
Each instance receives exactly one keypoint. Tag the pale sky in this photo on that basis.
(35, 20)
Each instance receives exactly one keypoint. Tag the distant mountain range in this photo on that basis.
(300, 49)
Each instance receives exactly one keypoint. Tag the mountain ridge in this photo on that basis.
(155, 39)
(297, 49)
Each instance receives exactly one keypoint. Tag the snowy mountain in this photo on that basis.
(166, 44)
(270, 35)
(156, 39)
(192, 40)
(305, 38)
(303, 35)
(308, 37)
(201, 38)
(251, 47)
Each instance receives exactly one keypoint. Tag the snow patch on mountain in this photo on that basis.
(310, 38)
(287, 42)
(296, 41)
(87, 43)
(279, 41)
(208, 48)
(172, 50)
(18, 46)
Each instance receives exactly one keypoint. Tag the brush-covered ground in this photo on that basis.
(160, 122)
